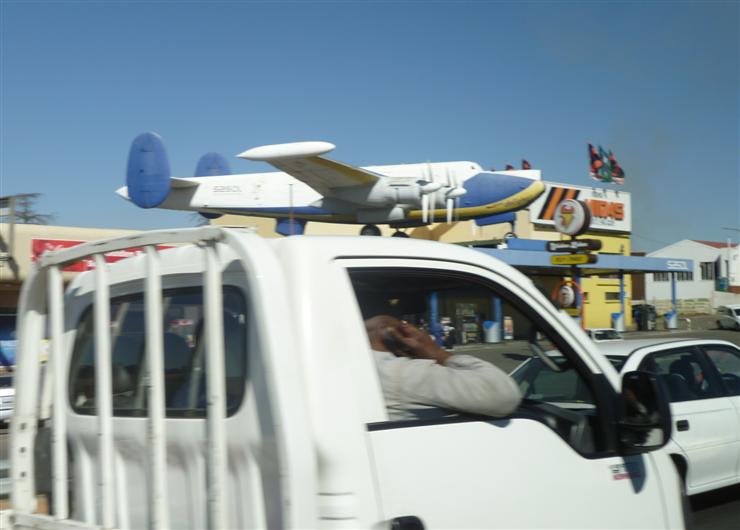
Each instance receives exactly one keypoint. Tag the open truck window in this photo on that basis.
(468, 315)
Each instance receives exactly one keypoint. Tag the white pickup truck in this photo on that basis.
(282, 424)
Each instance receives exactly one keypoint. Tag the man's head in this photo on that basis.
(377, 331)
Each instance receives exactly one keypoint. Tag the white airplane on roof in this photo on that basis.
(311, 187)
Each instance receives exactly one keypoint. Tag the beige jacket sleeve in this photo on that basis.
(464, 383)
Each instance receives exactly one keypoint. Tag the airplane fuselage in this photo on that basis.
(394, 198)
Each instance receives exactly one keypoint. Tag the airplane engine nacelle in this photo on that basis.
(407, 194)
(148, 171)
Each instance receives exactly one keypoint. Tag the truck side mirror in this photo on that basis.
(645, 416)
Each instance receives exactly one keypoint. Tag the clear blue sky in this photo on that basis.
(387, 82)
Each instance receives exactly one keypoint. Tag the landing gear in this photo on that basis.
(370, 230)
(398, 233)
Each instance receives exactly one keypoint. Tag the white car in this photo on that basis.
(702, 380)
(604, 334)
(728, 317)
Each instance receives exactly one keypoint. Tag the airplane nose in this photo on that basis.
(487, 188)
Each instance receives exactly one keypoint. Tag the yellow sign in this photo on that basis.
(572, 259)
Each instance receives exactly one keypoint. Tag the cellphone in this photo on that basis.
(393, 344)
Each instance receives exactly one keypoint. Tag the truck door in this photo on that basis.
(220, 440)
(551, 464)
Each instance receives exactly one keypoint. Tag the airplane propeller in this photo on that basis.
(451, 197)
(428, 192)
(453, 194)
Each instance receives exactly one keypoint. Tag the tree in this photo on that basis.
(25, 210)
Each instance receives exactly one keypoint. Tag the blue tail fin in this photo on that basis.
(212, 164)
(148, 172)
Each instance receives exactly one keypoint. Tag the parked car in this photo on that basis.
(702, 380)
(728, 317)
(7, 398)
(604, 334)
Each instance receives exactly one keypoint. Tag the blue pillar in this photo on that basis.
(619, 319)
(579, 298)
(672, 316)
(434, 326)
(496, 332)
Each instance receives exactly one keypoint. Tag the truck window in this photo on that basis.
(469, 317)
(727, 362)
(184, 355)
(685, 376)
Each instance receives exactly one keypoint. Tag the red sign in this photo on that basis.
(40, 246)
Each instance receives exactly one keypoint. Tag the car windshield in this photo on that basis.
(737, 311)
(539, 382)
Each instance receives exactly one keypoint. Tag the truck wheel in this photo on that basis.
(370, 230)
(398, 233)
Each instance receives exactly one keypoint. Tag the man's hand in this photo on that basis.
(416, 343)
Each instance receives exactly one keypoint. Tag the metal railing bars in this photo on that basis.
(43, 296)
(216, 408)
(103, 391)
(155, 237)
(159, 517)
(60, 472)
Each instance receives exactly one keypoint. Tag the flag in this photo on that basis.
(616, 169)
(604, 166)
(526, 165)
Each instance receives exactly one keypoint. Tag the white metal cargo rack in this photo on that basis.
(43, 296)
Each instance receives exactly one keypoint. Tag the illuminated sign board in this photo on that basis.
(611, 210)
(573, 245)
(572, 259)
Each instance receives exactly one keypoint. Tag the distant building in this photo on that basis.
(714, 282)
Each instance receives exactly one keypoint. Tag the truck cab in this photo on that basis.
(228, 382)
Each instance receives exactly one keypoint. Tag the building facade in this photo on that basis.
(715, 280)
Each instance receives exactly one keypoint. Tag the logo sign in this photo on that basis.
(574, 245)
(572, 259)
(566, 296)
(675, 265)
(610, 209)
(572, 217)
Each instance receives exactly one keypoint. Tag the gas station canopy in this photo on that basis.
(531, 257)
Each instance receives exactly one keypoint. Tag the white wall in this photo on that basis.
(697, 292)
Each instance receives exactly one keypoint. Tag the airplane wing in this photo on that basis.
(302, 161)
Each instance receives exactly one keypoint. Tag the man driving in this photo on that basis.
(419, 378)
